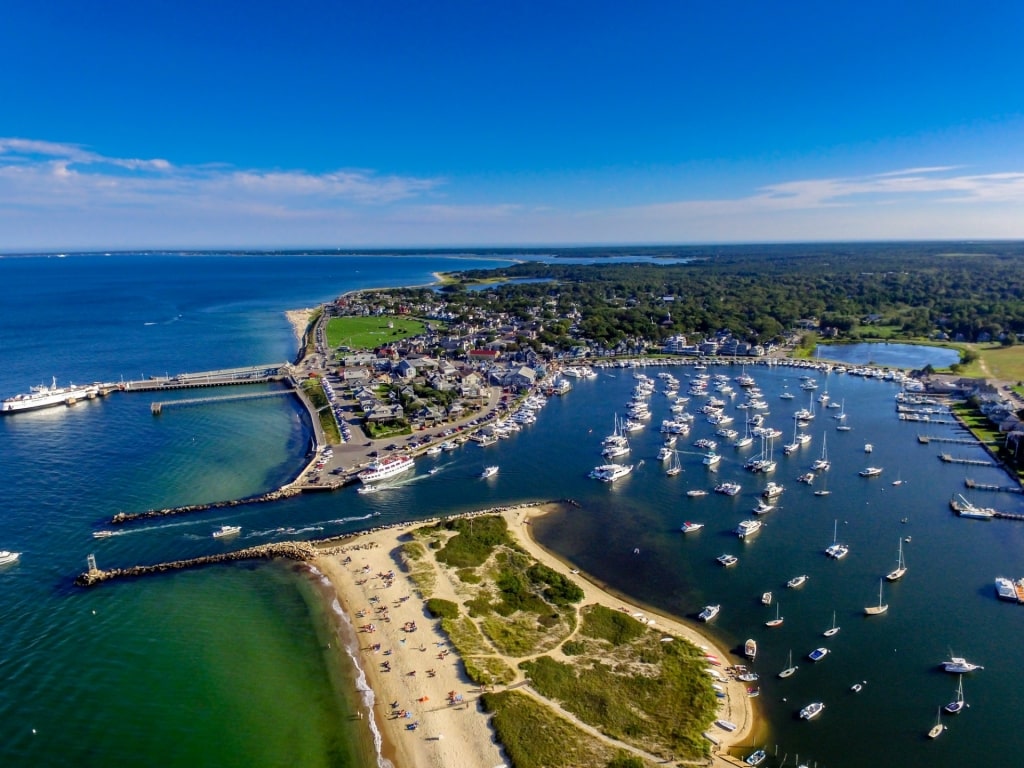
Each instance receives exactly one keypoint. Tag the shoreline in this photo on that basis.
(405, 658)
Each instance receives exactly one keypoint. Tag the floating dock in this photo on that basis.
(973, 462)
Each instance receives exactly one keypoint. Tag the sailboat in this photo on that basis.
(674, 467)
(875, 610)
(901, 567)
(938, 727)
(833, 630)
(835, 550)
(898, 480)
(790, 669)
(777, 621)
(956, 707)
(822, 463)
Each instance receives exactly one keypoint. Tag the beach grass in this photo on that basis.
(370, 332)
(534, 736)
(314, 389)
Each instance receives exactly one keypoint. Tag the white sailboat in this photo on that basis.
(674, 466)
(938, 728)
(901, 567)
(777, 621)
(790, 669)
(875, 610)
(956, 707)
(822, 463)
(833, 630)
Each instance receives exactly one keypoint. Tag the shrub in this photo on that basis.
(442, 609)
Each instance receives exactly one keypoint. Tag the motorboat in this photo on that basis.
(489, 472)
(763, 507)
(960, 665)
(609, 473)
(766, 598)
(689, 527)
(727, 560)
(871, 472)
(227, 530)
(756, 758)
(748, 528)
(818, 654)
(695, 493)
(858, 687)
(1005, 589)
(709, 612)
(6, 556)
(772, 490)
(368, 489)
(812, 710)
(797, 581)
(729, 489)
(712, 459)
(750, 648)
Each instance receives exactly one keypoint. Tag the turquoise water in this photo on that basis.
(230, 665)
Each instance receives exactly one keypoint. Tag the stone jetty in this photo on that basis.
(291, 550)
(281, 493)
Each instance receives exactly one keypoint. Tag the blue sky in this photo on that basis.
(266, 124)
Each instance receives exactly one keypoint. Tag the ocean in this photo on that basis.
(239, 665)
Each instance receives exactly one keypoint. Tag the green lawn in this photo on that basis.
(370, 332)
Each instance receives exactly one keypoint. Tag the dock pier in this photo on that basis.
(926, 439)
(157, 407)
(973, 462)
(976, 486)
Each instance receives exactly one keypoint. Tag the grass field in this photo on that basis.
(369, 332)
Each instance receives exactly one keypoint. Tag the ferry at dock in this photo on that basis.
(48, 396)
(386, 468)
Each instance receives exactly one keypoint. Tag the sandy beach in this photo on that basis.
(426, 710)
(299, 320)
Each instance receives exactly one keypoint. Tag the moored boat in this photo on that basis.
(48, 396)
(750, 648)
(709, 612)
(748, 528)
(689, 527)
(727, 560)
(818, 654)
(812, 710)
(870, 472)
(756, 758)
(960, 665)
(1005, 589)
(797, 581)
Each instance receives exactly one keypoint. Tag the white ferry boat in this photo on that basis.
(386, 468)
(47, 396)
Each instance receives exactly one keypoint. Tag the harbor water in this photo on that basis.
(239, 665)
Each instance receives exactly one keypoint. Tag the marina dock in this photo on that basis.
(157, 407)
(949, 459)
(926, 439)
(976, 486)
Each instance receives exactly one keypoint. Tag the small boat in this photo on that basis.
(762, 508)
(368, 489)
(489, 472)
(434, 470)
(812, 710)
(766, 598)
(833, 630)
(823, 492)
(727, 560)
(806, 477)
(750, 649)
(695, 493)
(725, 725)
(818, 654)
(729, 489)
(675, 467)
(748, 528)
(709, 612)
(959, 665)
(107, 534)
(871, 472)
(1004, 589)
(790, 669)
(777, 621)
(7, 556)
(711, 459)
(901, 567)
(835, 550)
(747, 677)
(875, 610)
(938, 728)
(227, 530)
(756, 758)
(689, 527)
(868, 447)
(957, 706)
(772, 490)
(858, 687)
(797, 581)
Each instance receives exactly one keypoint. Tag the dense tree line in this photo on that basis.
(968, 290)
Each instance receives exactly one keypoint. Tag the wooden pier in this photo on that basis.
(157, 407)
(976, 486)
(926, 419)
(973, 462)
(225, 377)
(925, 439)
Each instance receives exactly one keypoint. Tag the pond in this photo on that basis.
(911, 356)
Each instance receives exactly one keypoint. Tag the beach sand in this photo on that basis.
(422, 672)
(299, 320)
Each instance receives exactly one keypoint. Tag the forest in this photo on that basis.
(969, 291)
